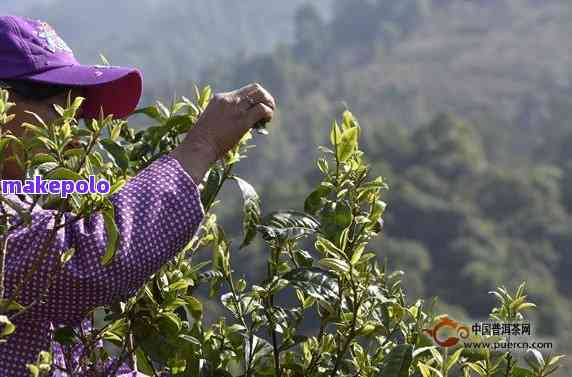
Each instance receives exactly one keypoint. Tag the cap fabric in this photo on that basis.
(32, 50)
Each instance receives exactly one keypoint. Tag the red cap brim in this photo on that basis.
(116, 90)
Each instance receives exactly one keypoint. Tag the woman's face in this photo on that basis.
(45, 110)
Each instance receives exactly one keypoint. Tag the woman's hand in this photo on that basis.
(226, 119)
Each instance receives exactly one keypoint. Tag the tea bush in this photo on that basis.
(350, 315)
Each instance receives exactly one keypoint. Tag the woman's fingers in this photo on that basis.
(259, 112)
(259, 94)
(223, 123)
(253, 94)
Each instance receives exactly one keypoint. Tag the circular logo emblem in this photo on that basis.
(51, 39)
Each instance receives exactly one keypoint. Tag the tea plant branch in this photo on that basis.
(240, 315)
(41, 255)
(317, 355)
(445, 356)
(272, 329)
(3, 251)
(226, 175)
(356, 306)
(87, 341)
(509, 364)
(131, 345)
(336, 155)
(275, 344)
(5, 237)
(57, 226)
(124, 356)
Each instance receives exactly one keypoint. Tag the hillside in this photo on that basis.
(478, 197)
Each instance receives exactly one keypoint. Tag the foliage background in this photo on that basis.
(465, 107)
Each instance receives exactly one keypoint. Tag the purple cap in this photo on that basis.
(31, 50)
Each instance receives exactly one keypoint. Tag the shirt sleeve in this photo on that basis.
(157, 212)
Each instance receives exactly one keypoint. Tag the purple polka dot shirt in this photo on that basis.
(157, 213)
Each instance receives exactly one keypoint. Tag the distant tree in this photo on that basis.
(311, 39)
(450, 147)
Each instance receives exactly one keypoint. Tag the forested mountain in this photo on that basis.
(466, 110)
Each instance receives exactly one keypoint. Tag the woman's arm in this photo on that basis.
(157, 212)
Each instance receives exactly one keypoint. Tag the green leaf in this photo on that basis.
(190, 339)
(81, 132)
(291, 219)
(555, 360)
(334, 264)
(287, 225)
(34, 370)
(534, 359)
(205, 96)
(427, 370)
(74, 152)
(195, 307)
(348, 143)
(64, 335)
(356, 256)
(169, 323)
(104, 60)
(8, 305)
(315, 282)
(348, 120)
(421, 350)
(64, 173)
(116, 130)
(327, 247)
(163, 109)
(157, 133)
(96, 160)
(117, 186)
(335, 134)
(112, 235)
(3, 143)
(117, 152)
(303, 258)
(143, 363)
(47, 143)
(314, 201)
(258, 349)
(41, 158)
(211, 188)
(71, 111)
(251, 211)
(154, 340)
(67, 255)
(139, 149)
(151, 112)
(335, 218)
(6, 327)
(179, 285)
(177, 365)
(398, 361)
(452, 360)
